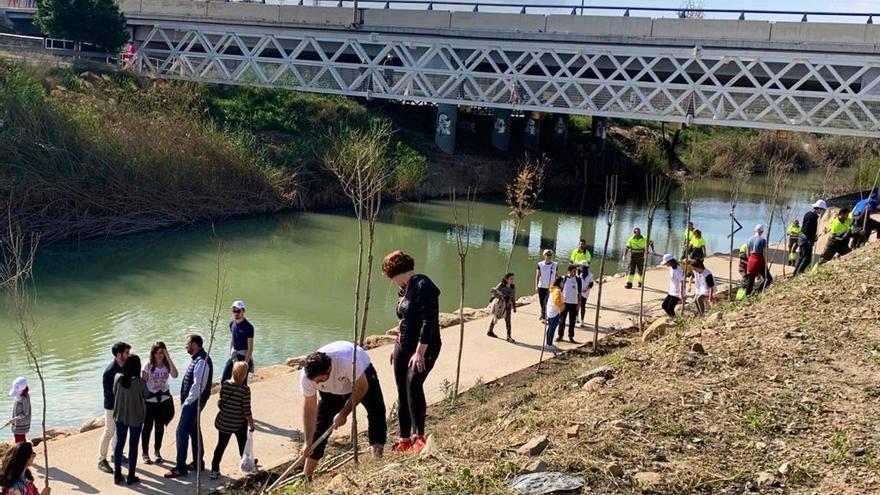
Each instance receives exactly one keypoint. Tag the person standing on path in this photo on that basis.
(241, 345)
(418, 345)
(697, 246)
(120, 352)
(21, 409)
(704, 284)
(676, 285)
(757, 264)
(544, 277)
(838, 243)
(809, 235)
(159, 405)
(580, 254)
(571, 298)
(327, 373)
(555, 306)
(234, 415)
(586, 277)
(503, 305)
(16, 477)
(129, 411)
(636, 248)
(195, 390)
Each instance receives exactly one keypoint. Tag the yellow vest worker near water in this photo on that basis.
(636, 246)
(839, 229)
(794, 232)
(698, 245)
(580, 254)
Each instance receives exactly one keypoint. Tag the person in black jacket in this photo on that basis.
(120, 355)
(417, 348)
(808, 236)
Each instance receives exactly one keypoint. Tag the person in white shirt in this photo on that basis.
(328, 372)
(586, 285)
(676, 284)
(704, 284)
(545, 275)
(571, 297)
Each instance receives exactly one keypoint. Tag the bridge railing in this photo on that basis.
(583, 9)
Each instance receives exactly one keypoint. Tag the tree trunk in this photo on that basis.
(601, 284)
(354, 337)
(645, 271)
(373, 214)
(516, 222)
(730, 291)
(687, 256)
(460, 328)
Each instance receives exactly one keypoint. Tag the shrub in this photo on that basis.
(410, 168)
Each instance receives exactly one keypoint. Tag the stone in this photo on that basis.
(606, 372)
(621, 424)
(784, 468)
(693, 334)
(730, 325)
(698, 348)
(648, 480)
(659, 328)
(594, 384)
(534, 446)
(373, 341)
(760, 446)
(615, 470)
(295, 362)
(535, 466)
(717, 316)
(766, 479)
(448, 320)
(573, 431)
(430, 448)
(92, 424)
(393, 331)
(53, 434)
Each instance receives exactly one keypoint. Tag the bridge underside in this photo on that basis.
(790, 90)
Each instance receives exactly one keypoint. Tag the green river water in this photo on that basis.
(296, 273)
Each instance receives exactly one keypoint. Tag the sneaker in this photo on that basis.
(174, 473)
(402, 446)
(571, 339)
(418, 444)
(146, 458)
(192, 466)
(159, 459)
(105, 467)
(510, 339)
(215, 474)
(490, 333)
(558, 339)
(640, 285)
(118, 479)
(628, 286)
(131, 480)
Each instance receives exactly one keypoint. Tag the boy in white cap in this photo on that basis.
(676, 284)
(545, 275)
(241, 344)
(21, 409)
(809, 234)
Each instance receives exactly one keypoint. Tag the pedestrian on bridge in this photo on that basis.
(808, 237)
(636, 247)
(417, 348)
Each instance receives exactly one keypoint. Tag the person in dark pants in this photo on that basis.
(195, 390)
(503, 305)
(241, 344)
(676, 284)
(129, 390)
(327, 372)
(233, 416)
(838, 242)
(418, 346)
(809, 235)
(545, 274)
(160, 406)
(757, 264)
(120, 352)
(571, 297)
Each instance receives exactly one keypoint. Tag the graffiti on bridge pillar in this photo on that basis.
(599, 130)
(444, 132)
(501, 129)
(532, 135)
(560, 132)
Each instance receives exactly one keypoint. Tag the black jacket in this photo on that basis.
(109, 376)
(419, 313)
(810, 225)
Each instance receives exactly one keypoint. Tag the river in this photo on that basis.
(296, 273)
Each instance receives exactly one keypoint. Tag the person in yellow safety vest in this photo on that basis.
(839, 229)
(698, 245)
(636, 247)
(580, 254)
(794, 233)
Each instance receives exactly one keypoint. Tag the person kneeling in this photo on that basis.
(328, 371)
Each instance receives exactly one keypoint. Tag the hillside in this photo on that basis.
(775, 395)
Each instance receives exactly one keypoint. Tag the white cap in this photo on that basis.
(548, 251)
(666, 259)
(239, 305)
(18, 386)
(759, 227)
(585, 263)
(820, 204)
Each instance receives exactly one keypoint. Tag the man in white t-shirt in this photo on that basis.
(704, 284)
(545, 275)
(328, 372)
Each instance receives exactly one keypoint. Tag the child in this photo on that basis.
(554, 310)
(21, 410)
(586, 284)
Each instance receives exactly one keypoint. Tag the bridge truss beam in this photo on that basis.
(796, 91)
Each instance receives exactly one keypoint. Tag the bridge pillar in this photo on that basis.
(445, 123)
(599, 130)
(560, 132)
(501, 129)
(532, 135)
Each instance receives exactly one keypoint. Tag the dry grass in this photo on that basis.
(789, 377)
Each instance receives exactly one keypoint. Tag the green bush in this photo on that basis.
(866, 172)
(410, 168)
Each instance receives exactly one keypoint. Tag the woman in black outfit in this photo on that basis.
(417, 348)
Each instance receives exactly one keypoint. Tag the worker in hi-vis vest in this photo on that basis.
(636, 247)
(794, 233)
(839, 229)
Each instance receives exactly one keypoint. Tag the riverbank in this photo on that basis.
(774, 395)
(277, 403)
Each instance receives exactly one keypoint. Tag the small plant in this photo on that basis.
(763, 421)
(448, 389)
(616, 360)
(839, 444)
(479, 390)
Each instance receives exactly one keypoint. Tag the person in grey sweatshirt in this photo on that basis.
(21, 409)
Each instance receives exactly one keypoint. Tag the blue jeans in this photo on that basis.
(122, 431)
(552, 323)
(186, 432)
(227, 370)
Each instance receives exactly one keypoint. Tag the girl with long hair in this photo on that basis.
(17, 478)
(159, 406)
(503, 305)
(129, 390)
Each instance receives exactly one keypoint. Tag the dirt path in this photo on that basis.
(277, 401)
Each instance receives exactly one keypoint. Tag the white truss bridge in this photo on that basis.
(813, 86)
